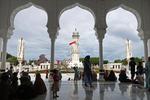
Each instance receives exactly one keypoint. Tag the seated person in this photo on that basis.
(39, 85)
(139, 79)
(94, 75)
(123, 77)
(139, 74)
(106, 75)
(112, 76)
(140, 69)
(4, 86)
(25, 90)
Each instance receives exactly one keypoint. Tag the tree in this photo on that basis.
(12, 59)
(124, 62)
(137, 60)
(95, 60)
(106, 62)
(118, 61)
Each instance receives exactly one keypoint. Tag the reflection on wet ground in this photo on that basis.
(70, 90)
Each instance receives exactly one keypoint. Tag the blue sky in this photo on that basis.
(31, 23)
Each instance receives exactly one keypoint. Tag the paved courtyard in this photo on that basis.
(70, 90)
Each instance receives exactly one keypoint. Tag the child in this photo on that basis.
(55, 86)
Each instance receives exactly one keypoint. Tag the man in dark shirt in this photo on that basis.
(132, 67)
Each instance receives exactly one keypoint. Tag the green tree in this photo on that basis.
(106, 62)
(13, 60)
(124, 62)
(118, 61)
(95, 60)
(137, 60)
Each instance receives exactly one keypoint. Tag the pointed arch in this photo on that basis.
(79, 5)
(15, 11)
(133, 11)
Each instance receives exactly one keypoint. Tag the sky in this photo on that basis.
(31, 24)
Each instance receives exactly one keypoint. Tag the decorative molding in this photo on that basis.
(141, 33)
(100, 33)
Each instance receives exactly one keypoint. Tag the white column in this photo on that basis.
(148, 47)
(101, 53)
(1, 45)
(52, 52)
(4, 53)
(145, 49)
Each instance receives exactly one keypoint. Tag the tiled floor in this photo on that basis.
(69, 90)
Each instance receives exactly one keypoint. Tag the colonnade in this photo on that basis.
(54, 8)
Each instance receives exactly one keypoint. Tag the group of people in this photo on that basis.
(11, 89)
(110, 76)
(139, 72)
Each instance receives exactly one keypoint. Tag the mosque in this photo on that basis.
(98, 10)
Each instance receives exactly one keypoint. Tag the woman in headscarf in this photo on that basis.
(87, 71)
(39, 85)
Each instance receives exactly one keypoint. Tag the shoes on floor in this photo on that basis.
(55, 96)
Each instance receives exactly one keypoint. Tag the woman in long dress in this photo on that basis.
(87, 71)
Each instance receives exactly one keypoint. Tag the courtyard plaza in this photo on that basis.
(70, 90)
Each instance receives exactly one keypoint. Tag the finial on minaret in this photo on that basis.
(75, 29)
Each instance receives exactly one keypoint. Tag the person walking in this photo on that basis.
(55, 86)
(87, 71)
(76, 73)
(46, 72)
(132, 67)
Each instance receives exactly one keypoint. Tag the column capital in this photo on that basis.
(100, 33)
(3, 33)
(6, 33)
(140, 33)
(10, 32)
(145, 40)
(53, 33)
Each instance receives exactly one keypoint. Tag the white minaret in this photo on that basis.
(75, 47)
(20, 53)
(128, 49)
(75, 62)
